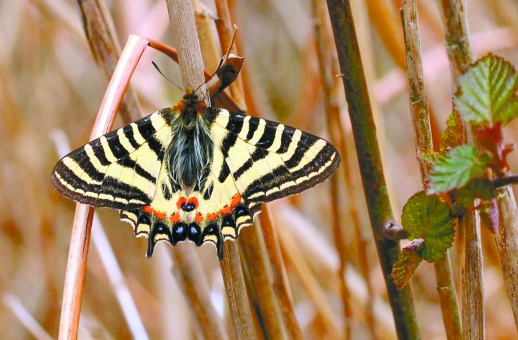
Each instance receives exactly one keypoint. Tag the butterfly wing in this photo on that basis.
(120, 169)
(268, 160)
(253, 161)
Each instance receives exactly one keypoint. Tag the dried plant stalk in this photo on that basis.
(460, 55)
(189, 274)
(507, 243)
(280, 283)
(236, 292)
(104, 44)
(423, 142)
(80, 240)
(336, 133)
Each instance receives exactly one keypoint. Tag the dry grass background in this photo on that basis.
(49, 83)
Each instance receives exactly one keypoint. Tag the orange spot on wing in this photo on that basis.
(174, 218)
(227, 210)
(235, 200)
(160, 215)
(199, 218)
(193, 201)
(181, 201)
(212, 216)
(147, 209)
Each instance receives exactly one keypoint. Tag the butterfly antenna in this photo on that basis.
(163, 75)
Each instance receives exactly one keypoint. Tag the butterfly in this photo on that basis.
(192, 172)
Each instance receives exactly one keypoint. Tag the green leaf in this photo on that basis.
(406, 265)
(453, 135)
(486, 93)
(455, 169)
(428, 217)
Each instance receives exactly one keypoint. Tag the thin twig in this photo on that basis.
(280, 277)
(191, 279)
(80, 239)
(105, 47)
(336, 132)
(423, 142)
(460, 55)
(224, 27)
(261, 283)
(378, 204)
(260, 247)
(294, 258)
(109, 261)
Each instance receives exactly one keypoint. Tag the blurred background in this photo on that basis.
(51, 88)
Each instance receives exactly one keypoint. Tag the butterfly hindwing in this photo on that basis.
(211, 215)
(118, 170)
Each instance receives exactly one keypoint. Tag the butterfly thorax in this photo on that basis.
(190, 153)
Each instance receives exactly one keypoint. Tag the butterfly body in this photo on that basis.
(193, 172)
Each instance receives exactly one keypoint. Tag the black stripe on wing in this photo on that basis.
(309, 161)
(115, 170)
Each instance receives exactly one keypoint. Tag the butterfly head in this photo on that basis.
(190, 108)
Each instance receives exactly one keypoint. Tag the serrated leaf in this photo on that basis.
(486, 93)
(454, 134)
(455, 169)
(406, 265)
(428, 217)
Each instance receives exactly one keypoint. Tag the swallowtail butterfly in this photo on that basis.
(194, 172)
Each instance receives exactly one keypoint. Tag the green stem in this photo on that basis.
(378, 204)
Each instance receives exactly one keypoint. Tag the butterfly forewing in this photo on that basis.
(251, 160)
(268, 160)
(118, 170)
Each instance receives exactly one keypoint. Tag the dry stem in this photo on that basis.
(460, 55)
(80, 240)
(423, 142)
